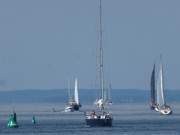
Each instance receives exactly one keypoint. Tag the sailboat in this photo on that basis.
(157, 92)
(74, 103)
(100, 116)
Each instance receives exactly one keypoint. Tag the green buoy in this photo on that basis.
(33, 120)
(12, 121)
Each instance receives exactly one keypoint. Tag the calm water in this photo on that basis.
(129, 118)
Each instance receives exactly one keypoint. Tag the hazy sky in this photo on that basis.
(44, 43)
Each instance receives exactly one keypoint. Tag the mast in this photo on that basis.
(101, 74)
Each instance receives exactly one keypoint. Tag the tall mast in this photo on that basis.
(101, 74)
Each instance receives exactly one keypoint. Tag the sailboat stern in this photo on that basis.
(94, 119)
(164, 110)
(72, 106)
(99, 122)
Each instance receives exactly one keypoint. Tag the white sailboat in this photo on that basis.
(73, 103)
(157, 93)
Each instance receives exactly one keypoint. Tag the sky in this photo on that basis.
(45, 43)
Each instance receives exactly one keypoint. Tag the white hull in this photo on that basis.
(73, 106)
(164, 111)
(68, 109)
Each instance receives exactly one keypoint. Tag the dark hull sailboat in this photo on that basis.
(99, 122)
(100, 117)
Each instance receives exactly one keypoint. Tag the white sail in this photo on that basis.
(76, 94)
(160, 88)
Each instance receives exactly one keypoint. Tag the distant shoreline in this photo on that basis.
(87, 96)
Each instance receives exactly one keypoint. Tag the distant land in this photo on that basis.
(87, 96)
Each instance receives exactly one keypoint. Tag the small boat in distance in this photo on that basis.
(157, 92)
(101, 116)
(73, 103)
(12, 121)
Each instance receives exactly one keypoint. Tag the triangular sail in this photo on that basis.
(160, 88)
(153, 92)
(76, 94)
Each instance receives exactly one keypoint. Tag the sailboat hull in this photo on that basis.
(76, 107)
(72, 108)
(164, 111)
(99, 122)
